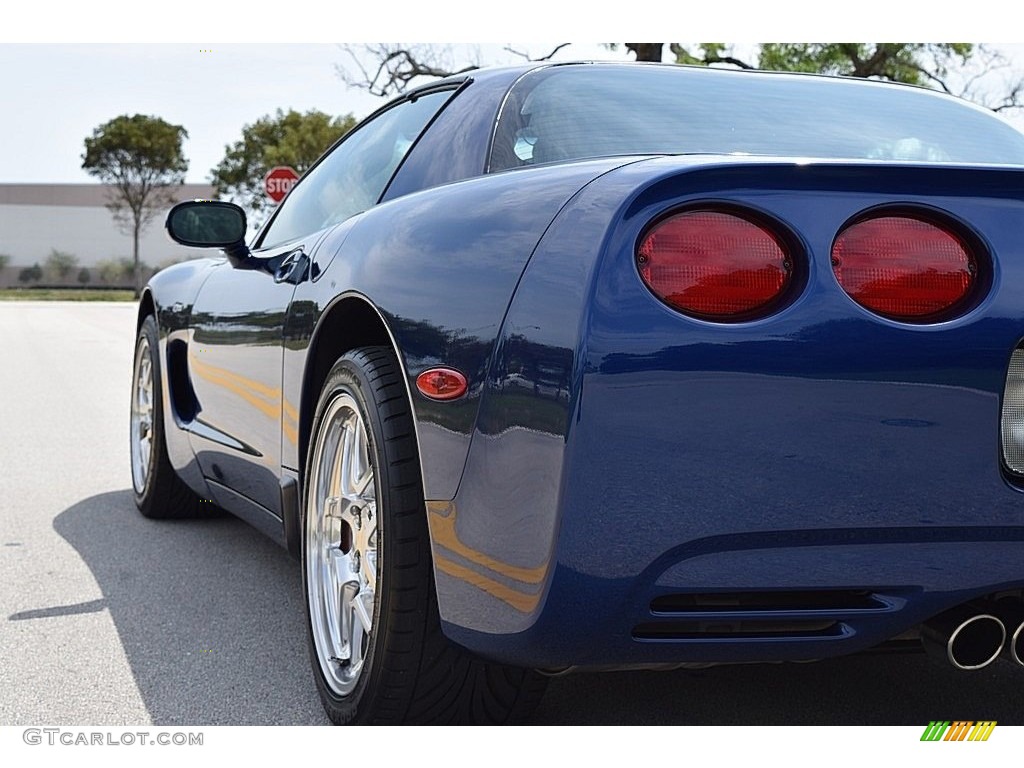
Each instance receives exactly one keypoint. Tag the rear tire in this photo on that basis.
(375, 639)
(159, 492)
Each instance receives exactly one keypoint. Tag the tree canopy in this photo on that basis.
(140, 158)
(286, 138)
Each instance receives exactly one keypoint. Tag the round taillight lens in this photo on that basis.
(904, 268)
(714, 265)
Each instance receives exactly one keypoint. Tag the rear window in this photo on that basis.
(573, 112)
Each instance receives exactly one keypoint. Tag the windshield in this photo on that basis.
(572, 112)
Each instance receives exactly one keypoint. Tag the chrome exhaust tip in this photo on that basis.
(967, 637)
(1014, 649)
(1011, 612)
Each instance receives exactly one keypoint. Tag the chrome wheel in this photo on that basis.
(342, 544)
(142, 416)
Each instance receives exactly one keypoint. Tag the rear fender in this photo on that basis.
(439, 267)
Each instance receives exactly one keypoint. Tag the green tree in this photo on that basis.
(31, 274)
(59, 264)
(141, 159)
(109, 271)
(286, 138)
(956, 68)
(915, 63)
(4, 260)
(84, 276)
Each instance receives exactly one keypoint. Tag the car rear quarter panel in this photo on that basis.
(440, 267)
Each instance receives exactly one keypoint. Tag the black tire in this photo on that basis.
(410, 672)
(161, 494)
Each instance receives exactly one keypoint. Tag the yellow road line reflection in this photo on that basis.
(442, 527)
(244, 388)
(519, 600)
(441, 516)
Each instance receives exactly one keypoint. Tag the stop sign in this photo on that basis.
(279, 181)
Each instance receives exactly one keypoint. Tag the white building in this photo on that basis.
(36, 219)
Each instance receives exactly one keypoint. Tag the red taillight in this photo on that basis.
(715, 266)
(903, 268)
(442, 383)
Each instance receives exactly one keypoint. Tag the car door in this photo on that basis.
(239, 316)
(235, 362)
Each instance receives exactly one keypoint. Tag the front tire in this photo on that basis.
(159, 492)
(376, 645)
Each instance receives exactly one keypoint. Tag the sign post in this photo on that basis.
(279, 181)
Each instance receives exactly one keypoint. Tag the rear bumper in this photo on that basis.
(574, 631)
(680, 520)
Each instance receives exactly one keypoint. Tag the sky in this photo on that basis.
(55, 89)
(62, 92)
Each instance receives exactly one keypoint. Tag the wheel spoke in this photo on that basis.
(334, 605)
(362, 612)
(362, 486)
(360, 475)
(332, 460)
(142, 415)
(333, 506)
(348, 451)
(370, 571)
(349, 630)
(145, 387)
(361, 625)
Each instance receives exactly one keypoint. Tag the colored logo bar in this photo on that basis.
(958, 730)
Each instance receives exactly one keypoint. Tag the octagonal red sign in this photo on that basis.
(279, 181)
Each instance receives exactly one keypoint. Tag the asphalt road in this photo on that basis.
(110, 619)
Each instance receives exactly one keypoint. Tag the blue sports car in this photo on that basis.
(590, 366)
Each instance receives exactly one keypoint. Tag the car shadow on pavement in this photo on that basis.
(209, 613)
(210, 616)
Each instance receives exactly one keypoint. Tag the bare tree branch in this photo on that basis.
(933, 77)
(706, 57)
(397, 66)
(1014, 99)
(727, 60)
(388, 69)
(974, 81)
(528, 57)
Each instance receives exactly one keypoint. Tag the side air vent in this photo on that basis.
(758, 615)
(765, 601)
(744, 630)
(182, 396)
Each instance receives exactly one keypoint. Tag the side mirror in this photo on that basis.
(209, 224)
